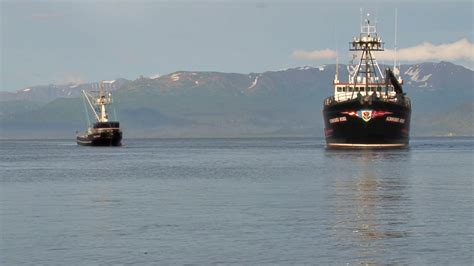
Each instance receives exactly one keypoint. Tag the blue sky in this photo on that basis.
(44, 42)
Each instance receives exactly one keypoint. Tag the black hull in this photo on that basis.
(362, 125)
(100, 139)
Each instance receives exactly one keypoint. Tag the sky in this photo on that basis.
(59, 42)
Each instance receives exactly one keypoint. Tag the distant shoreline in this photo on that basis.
(222, 138)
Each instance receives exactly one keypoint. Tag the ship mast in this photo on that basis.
(102, 101)
(98, 103)
(367, 42)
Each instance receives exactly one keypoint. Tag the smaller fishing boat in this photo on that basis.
(102, 132)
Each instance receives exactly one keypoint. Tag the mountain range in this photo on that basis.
(286, 102)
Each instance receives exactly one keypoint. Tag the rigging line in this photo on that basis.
(337, 51)
(90, 104)
(357, 72)
(395, 48)
(86, 112)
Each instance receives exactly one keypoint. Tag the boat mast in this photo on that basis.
(367, 42)
(100, 101)
(395, 41)
(396, 69)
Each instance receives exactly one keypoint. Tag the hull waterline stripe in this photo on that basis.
(365, 145)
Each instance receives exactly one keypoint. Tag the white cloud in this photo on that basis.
(462, 50)
(459, 50)
(314, 55)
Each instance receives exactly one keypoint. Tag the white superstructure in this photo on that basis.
(366, 78)
(98, 100)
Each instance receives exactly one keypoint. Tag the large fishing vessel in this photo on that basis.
(370, 110)
(102, 132)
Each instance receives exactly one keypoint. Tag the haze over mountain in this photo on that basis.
(211, 104)
(59, 41)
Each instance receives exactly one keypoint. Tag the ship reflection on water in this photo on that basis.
(370, 202)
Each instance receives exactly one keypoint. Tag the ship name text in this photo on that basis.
(338, 119)
(395, 119)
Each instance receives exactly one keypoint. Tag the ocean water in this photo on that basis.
(244, 201)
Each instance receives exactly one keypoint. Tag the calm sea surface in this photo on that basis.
(245, 201)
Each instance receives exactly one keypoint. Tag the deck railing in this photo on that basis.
(398, 98)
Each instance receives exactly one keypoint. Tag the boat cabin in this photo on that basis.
(347, 91)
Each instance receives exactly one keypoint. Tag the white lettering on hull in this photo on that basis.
(338, 119)
(395, 120)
